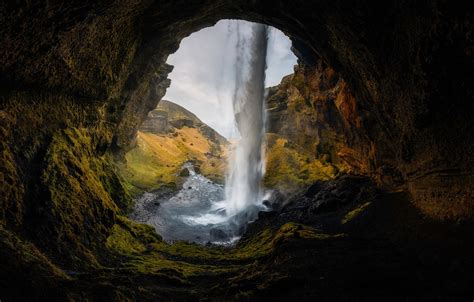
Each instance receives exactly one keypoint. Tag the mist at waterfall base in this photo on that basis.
(206, 212)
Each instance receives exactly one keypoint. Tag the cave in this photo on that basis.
(390, 84)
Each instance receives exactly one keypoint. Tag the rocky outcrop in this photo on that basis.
(316, 109)
(316, 113)
(156, 122)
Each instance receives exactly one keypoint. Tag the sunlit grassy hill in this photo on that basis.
(157, 159)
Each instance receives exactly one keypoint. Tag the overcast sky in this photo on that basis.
(202, 80)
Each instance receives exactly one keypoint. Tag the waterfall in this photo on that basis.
(203, 211)
(243, 185)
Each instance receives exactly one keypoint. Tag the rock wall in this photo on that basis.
(315, 113)
(315, 109)
(409, 66)
(60, 191)
(156, 122)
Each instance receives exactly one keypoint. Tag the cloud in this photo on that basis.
(202, 80)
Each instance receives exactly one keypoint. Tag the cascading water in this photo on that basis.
(243, 190)
(206, 212)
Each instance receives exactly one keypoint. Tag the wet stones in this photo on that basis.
(184, 172)
(218, 235)
(274, 201)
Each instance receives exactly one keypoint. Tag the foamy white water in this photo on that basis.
(243, 186)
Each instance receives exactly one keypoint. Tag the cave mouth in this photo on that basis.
(218, 94)
(78, 78)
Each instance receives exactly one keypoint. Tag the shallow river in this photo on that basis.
(194, 213)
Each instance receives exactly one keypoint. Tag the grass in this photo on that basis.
(290, 166)
(157, 159)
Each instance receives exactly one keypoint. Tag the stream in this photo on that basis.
(195, 213)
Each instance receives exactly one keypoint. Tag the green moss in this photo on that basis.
(157, 159)
(26, 257)
(147, 253)
(355, 212)
(11, 188)
(122, 241)
(290, 167)
(28, 121)
(113, 183)
(127, 237)
(79, 186)
(158, 264)
(266, 241)
(143, 232)
(257, 246)
(70, 189)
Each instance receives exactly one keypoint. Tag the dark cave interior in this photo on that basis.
(78, 79)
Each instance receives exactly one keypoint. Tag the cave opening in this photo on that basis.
(193, 165)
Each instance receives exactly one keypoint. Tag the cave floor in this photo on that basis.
(340, 240)
(366, 244)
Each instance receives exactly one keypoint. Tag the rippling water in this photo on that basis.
(195, 213)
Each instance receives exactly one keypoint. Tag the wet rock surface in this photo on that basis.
(387, 244)
(192, 213)
(184, 173)
(322, 198)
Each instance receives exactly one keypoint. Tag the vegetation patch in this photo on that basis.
(157, 160)
(148, 253)
(355, 212)
(290, 166)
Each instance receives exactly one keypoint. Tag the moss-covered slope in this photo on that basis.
(306, 129)
(60, 191)
(290, 167)
(168, 138)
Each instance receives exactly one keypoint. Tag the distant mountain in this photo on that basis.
(169, 116)
(169, 137)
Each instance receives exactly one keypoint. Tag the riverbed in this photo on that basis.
(194, 213)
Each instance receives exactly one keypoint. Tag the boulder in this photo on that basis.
(218, 235)
(184, 173)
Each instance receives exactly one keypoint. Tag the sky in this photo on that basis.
(202, 80)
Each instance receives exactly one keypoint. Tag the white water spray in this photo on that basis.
(243, 186)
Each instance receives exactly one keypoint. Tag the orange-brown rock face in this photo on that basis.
(315, 108)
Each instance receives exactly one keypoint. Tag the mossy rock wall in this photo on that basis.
(60, 187)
